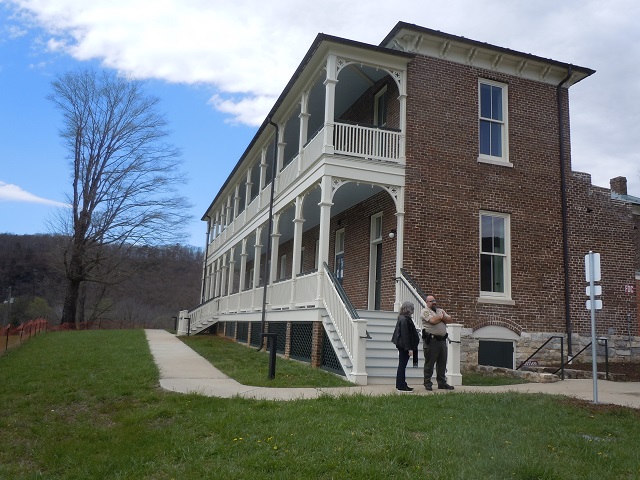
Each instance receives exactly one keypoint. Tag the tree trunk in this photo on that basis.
(82, 300)
(75, 277)
(71, 302)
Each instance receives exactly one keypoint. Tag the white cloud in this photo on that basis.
(14, 31)
(247, 110)
(248, 49)
(13, 193)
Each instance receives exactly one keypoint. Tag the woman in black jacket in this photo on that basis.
(406, 339)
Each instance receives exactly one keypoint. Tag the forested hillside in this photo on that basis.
(160, 282)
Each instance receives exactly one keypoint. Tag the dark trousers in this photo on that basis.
(403, 359)
(435, 353)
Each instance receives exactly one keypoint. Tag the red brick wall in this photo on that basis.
(356, 223)
(447, 187)
(604, 226)
(638, 307)
(362, 109)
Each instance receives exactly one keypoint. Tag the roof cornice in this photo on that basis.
(415, 39)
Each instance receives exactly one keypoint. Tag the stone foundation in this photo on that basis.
(529, 376)
(620, 348)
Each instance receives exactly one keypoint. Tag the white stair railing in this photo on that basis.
(409, 292)
(351, 329)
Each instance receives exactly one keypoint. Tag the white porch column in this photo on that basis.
(218, 227)
(304, 128)
(296, 261)
(247, 194)
(256, 270)
(223, 223)
(229, 213)
(329, 103)
(454, 377)
(399, 243)
(236, 205)
(275, 245)
(263, 175)
(243, 266)
(212, 281)
(323, 244)
(223, 276)
(217, 280)
(281, 146)
(232, 267)
(206, 284)
(298, 224)
(403, 119)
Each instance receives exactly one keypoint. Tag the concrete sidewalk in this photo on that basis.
(183, 370)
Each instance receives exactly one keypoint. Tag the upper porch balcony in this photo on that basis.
(343, 115)
(381, 148)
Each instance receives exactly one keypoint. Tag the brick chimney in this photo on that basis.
(619, 185)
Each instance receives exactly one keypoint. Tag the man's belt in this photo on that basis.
(428, 336)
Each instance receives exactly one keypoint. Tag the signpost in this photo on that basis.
(592, 274)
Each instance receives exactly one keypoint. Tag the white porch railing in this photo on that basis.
(287, 175)
(312, 150)
(349, 139)
(306, 290)
(367, 142)
(280, 295)
(245, 300)
(252, 209)
(265, 195)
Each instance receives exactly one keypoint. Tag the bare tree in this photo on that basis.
(125, 178)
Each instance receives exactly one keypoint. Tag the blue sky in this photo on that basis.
(218, 67)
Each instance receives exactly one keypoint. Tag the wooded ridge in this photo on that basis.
(160, 282)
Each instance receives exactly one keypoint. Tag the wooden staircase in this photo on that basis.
(382, 355)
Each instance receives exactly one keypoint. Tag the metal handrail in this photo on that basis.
(416, 287)
(606, 357)
(417, 295)
(343, 295)
(542, 346)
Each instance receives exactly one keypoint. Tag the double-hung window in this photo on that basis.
(495, 256)
(493, 116)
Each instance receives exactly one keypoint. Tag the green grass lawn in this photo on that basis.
(86, 405)
(250, 367)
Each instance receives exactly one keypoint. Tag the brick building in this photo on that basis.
(429, 163)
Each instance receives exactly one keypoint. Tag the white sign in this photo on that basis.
(629, 289)
(596, 267)
(597, 305)
(597, 290)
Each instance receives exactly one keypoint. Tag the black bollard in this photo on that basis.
(272, 339)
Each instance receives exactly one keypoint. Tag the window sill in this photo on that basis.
(496, 301)
(495, 161)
